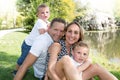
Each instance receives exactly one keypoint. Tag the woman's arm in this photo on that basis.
(46, 76)
(85, 65)
(53, 51)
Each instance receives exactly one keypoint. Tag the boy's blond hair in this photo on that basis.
(41, 6)
(80, 44)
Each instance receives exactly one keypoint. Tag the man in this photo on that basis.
(38, 52)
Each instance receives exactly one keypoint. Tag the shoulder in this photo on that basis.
(55, 48)
(44, 39)
(56, 44)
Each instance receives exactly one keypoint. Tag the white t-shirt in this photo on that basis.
(39, 49)
(35, 31)
(76, 65)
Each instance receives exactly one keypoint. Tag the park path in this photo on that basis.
(3, 32)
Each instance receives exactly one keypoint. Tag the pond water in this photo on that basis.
(106, 43)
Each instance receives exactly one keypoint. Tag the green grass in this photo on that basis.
(113, 68)
(10, 46)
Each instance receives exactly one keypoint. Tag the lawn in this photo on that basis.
(10, 51)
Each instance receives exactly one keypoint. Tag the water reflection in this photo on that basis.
(106, 43)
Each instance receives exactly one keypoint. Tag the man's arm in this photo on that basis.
(54, 50)
(30, 59)
(85, 65)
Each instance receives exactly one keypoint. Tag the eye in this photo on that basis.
(85, 54)
(76, 32)
(69, 31)
(78, 52)
(47, 12)
(42, 12)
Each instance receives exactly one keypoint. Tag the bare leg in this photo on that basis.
(96, 69)
(66, 69)
(17, 66)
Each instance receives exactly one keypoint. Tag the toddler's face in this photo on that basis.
(80, 54)
(44, 13)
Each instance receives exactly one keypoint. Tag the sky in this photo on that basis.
(101, 5)
(107, 5)
(7, 6)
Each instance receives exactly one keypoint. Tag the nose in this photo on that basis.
(45, 14)
(58, 33)
(72, 34)
(81, 55)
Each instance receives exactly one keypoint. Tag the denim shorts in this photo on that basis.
(24, 52)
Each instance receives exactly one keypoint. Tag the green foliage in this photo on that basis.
(63, 8)
(59, 8)
(19, 21)
(117, 10)
(27, 12)
(0, 23)
(81, 9)
(82, 12)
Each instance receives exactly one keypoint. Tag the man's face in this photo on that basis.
(57, 30)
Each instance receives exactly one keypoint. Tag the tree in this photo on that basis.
(63, 8)
(59, 8)
(117, 10)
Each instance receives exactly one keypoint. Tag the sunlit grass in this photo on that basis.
(10, 46)
(111, 67)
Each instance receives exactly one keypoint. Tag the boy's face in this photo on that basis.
(80, 54)
(44, 13)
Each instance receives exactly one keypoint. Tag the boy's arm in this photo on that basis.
(54, 50)
(85, 65)
(42, 31)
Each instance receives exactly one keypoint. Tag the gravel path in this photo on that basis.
(3, 32)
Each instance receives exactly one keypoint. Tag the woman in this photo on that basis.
(60, 67)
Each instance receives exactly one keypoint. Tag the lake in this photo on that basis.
(106, 43)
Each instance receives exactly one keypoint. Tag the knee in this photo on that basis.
(96, 67)
(66, 59)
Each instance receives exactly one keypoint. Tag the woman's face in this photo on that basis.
(72, 34)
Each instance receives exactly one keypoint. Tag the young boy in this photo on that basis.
(80, 54)
(40, 27)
